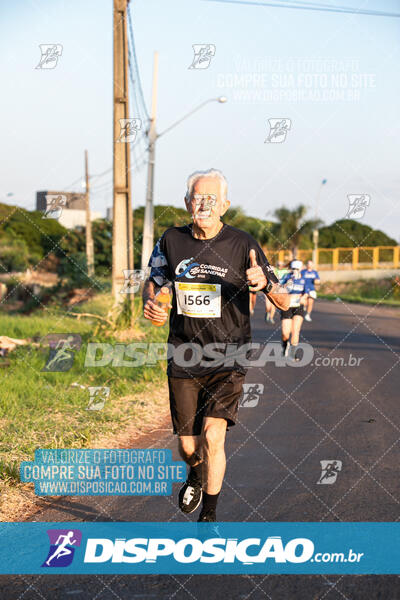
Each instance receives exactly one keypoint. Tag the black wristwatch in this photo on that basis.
(268, 287)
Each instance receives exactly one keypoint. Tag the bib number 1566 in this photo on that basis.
(198, 300)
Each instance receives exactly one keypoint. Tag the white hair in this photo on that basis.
(194, 177)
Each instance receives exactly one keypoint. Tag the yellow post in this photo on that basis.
(375, 257)
(335, 258)
(355, 258)
(396, 256)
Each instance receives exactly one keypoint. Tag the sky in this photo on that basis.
(333, 77)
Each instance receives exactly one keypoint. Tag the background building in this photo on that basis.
(73, 214)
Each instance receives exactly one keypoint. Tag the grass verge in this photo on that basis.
(366, 291)
(50, 410)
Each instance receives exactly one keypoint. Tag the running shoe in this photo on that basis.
(190, 495)
(266, 317)
(207, 516)
(285, 348)
(272, 320)
(308, 318)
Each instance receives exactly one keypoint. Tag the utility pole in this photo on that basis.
(89, 237)
(148, 224)
(315, 231)
(122, 244)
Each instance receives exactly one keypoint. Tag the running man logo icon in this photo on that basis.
(357, 205)
(129, 129)
(62, 547)
(251, 394)
(62, 348)
(278, 129)
(49, 56)
(98, 397)
(133, 277)
(329, 471)
(54, 205)
(203, 54)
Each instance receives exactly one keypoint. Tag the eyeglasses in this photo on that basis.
(208, 199)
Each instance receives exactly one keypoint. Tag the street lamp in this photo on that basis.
(148, 224)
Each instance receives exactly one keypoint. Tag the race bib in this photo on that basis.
(199, 300)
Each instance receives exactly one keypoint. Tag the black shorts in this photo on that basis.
(193, 399)
(293, 312)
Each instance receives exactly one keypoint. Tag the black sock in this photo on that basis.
(196, 472)
(210, 501)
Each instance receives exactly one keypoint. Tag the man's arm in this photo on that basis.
(150, 309)
(279, 296)
(149, 291)
(265, 280)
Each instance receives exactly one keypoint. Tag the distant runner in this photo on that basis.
(312, 279)
(292, 318)
(270, 308)
(210, 266)
(252, 300)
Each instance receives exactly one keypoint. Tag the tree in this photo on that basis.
(292, 230)
(348, 233)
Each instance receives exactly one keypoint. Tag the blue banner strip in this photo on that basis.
(199, 548)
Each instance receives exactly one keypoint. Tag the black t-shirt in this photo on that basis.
(210, 296)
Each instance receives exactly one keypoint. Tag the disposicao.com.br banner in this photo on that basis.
(199, 548)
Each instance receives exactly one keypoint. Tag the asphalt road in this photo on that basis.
(305, 415)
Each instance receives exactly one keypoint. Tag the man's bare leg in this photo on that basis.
(213, 446)
(189, 447)
(191, 493)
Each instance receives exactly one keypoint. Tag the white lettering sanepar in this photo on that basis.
(191, 550)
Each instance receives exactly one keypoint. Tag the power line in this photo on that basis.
(96, 175)
(80, 179)
(310, 6)
(132, 52)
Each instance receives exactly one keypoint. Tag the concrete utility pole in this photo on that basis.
(148, 223)
(122, 245)
(89, 237)
(315, 231)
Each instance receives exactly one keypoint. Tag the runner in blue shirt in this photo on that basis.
(312, 279)
(292, 318)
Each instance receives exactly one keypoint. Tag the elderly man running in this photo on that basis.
(211, 266)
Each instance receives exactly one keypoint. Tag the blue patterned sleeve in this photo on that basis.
(159, 271)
